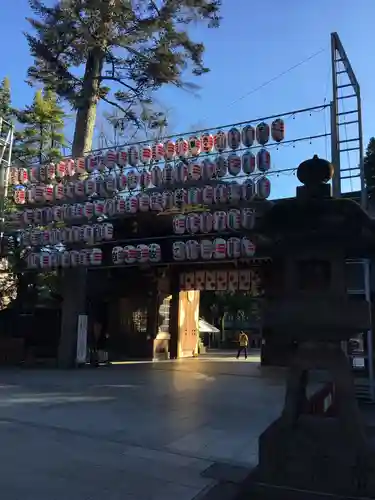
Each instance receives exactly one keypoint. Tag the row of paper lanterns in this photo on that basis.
(209, 195)
(141, 254)
(218, 249)
(72, 258)
(157, 177)
(170, 150)
(90, 234)
(206, 222)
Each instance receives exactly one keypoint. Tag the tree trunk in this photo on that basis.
(74, 280)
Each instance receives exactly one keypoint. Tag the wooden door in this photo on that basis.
(188, 316)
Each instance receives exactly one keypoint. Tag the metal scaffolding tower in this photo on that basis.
(347, 156)
(6, 146)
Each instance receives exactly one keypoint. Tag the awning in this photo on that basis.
(205, 327)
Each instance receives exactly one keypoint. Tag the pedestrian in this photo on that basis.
(244, 342)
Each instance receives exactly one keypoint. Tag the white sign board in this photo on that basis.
(81, 355)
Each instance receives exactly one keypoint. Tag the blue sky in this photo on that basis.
(256, 42)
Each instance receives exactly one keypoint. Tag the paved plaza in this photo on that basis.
(133, 431)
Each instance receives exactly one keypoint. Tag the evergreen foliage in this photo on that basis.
(127, 49)
(6, 111)
(369, 168)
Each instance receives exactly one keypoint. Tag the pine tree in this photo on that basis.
(6, 111)
(40, 137)
(369, 168)
(134, 47)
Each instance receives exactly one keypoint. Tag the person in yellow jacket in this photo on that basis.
(244, 342)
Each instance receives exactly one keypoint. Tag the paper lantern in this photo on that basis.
(219, 248)
(194, 196)
(234, 191)
(33, 175)
(133, 179)
(96, 257)
(74, 258)
(23, 175)
(43, 173)
(84, 257)
(192, 250)
(118, 255)
(35, 237)
(38, 216)
(130, 254)
(91, 163)
(206, 249)
(262, 133)
(133, 156)
(234, 138)
(89, 234)
(208, 170)
(247, 248)
(169, 150)
(79, 189)
(181, 172)
(156, 202)
(158, 151)
(61, 169)
(193, 223)
(142, 253)
(234, 248)
(247, 218)
(58, 214)
(45, 260)
(19, 196)
(110, 159)
(208, 195)
(234, 164)
(248, 163)
(67, 235)
(168, 174)
(122, 158)
(220, 194)
(248, 136)
(278, 130)
(80, 165)
(207, 142)
(234, 219)
(88, 210)
(180, 198)
(122, 181)
(65, 259)
(179, 224)
(40, 192)
(76, 234)
(206, 221)
(13, 176)
(219, 221)
(156, 176)
(220, 141)
(263, 188)
(195, 145)
(131, 205)
(32, 261)
(179, 251)
(248, 190)
(48, 214)
(145, 154)
(144, 202)
(110, 207)
(78, 210)
(28, 216)
(194, 171)
(110, 183)
(70, 167)
(107, 231)
(263, 160)
(120, 206)
(69, 190)
(154, 252)
(90, 187)
(99, 208)
(167, 200)
(182, 148)
(221, 167)
(49, 193)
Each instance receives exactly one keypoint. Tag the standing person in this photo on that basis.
(244, 342)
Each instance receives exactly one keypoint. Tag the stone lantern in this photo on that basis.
(311, 237)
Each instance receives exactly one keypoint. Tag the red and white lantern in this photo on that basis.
(193, 223)
(154, 253)
(220, 248)
(80, 165)
(234, 192)
(145, 179)
(91, 163)
(70, 166)
(69, 190)
(192, 250)
(247, 218)
(220, 141)
(110, 159)
(194, 171)
(84, 257)
(278, 130)
(99, 208)
(43, 173)
(180, 198)
(206, 221)
(142, 253)
(144, 202)
(248, 163)
(179, 251)
(168, 174)
(122, 181)
(208, 195)
(207, 141)
(35, 237)
(32, 261)
(221, 194)
(208, 170)
(34, 174)
(263, 160)
(169, 150)
(131, 205)
(234, 248)
(90, 187)
(234, 164)
(110, 207)
(179, 224)
(234, 219)
(133, 179)
(248, 136)
(263, 133)
(130, 254)
(221, 167)
(49, 193)
(195, 145)
(181, 172)
(133, 156)
(156, 202)
(96, 257)
(61, 169)
(122, 158)
(58, 214)
(263, 188)
(120, 206)
(206, 249)
(182, 148)
(156, 176)
(38, 216)
(88, 210)
(65, 259)
(234, 138)
(89, 234)
(79, 189)
(13, 176)
(45, 260)
(220, 221)
(107, 231)
(23, 175)
(118, 255)
(145, 154)
(248, 190)
(247, 248)
(158, 151)
(167, 200)
(194, 196)
(40, 193)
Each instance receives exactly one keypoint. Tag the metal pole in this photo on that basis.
(370, 357)
(335, 152)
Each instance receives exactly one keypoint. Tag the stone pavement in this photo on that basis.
(136, 431)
